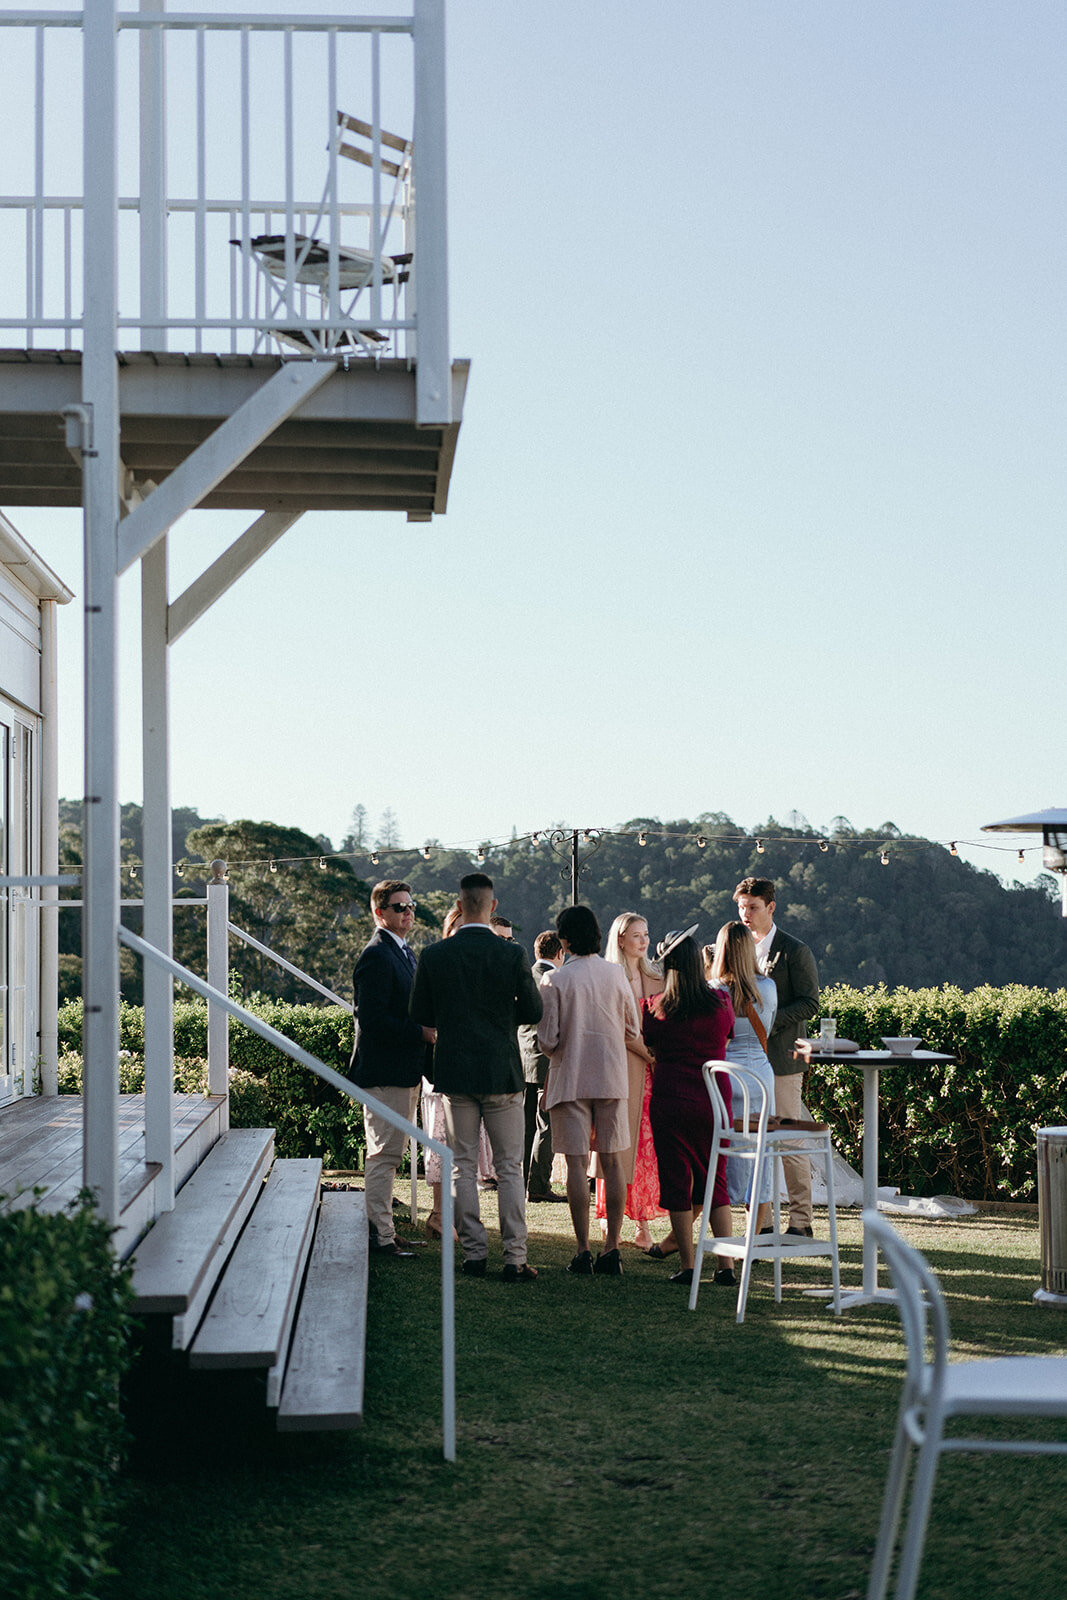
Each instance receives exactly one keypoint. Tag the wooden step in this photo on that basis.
(176, 1265)
(250, 1317)
(323, 1386)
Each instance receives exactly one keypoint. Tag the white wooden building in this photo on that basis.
(29, 594)
(243, 306)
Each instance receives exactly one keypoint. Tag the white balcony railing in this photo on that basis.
(229, 135)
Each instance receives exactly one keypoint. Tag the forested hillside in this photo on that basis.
(925, 918)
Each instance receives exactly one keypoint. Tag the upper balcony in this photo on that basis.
(280, 197)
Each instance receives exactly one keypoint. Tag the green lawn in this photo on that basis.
(609, 1443)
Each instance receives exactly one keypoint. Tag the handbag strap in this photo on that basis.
(757, 1026)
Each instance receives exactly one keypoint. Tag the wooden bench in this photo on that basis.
(250, 1317)
(323, 1387)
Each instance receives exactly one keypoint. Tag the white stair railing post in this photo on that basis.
(218, 976)
(433, 372)
(156, 871)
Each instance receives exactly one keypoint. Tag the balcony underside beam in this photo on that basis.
(215, 459)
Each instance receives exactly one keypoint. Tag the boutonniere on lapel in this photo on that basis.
(769, 963)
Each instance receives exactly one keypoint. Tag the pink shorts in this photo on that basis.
(573, 1121)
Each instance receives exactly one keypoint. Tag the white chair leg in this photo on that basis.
(915, 1530)
(702, 1235)
(892, 1501)
(835, 1264)
(775, 1158)
(750, 1239)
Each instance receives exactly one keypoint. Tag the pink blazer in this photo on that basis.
(589, 1015)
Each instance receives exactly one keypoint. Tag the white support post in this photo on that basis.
(433, 375)
(153, 182)
(48, 921)
(157, 871)
(218, 976)
(99, 441)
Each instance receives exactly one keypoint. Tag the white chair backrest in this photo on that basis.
(745, 1090)
(922, 1308)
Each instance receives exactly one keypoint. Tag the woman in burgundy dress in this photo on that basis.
(683, 1027)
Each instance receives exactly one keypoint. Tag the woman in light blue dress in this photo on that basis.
(730, 964)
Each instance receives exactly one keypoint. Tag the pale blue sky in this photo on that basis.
(759, 491)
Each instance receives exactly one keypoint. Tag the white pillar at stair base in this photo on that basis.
(48, 922)
(157, 872)
(100, 492)
(218, 975)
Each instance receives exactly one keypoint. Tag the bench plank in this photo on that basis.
(248, 1321)
(324, 1380)
(178, 1260)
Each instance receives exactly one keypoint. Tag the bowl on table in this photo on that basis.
(901, 1047)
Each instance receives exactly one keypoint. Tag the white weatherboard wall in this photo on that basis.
(29, 823)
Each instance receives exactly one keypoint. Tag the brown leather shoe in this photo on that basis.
(516, 1274)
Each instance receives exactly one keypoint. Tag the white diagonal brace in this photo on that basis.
(223, 450)
(222, 574)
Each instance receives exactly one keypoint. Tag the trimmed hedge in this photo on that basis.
(267, 1088)
(966, 1129)
(64, 1346)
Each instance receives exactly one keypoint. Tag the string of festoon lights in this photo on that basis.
(479, 851)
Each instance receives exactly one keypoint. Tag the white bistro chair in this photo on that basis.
(934, 1391)
(751, 1133)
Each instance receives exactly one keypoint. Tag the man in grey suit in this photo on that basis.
(796, 978)
(537, 1154)
(475, 990)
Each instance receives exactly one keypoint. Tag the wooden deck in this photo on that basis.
(41, 1147)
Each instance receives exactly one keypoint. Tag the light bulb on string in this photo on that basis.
(322, 863)
(702, 843)
(481, 855)
(1022, 857)
(179, 870)
(374, 858)
(824, 845)
(426, 852)
(884, 858)
(274, 866)
(535, 838)
(642, 838)
(760, 847)
(952, 849)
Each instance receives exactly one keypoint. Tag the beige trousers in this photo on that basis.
(505, 1123)
(788, 1091)
(385, 1152)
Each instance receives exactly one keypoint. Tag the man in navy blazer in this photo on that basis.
(389, 1053)
(475, 990)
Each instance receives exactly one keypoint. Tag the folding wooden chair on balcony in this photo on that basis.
(306, 260)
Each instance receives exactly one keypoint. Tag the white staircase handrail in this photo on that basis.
(149, 952)
(297, 972)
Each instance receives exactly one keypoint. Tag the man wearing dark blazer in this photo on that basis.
(475, 990)
(389, 1052)
(796, 978)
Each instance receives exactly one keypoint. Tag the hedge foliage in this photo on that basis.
(64, 1326)
(966, 1129)
(267, 1088)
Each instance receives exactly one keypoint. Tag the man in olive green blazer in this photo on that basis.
(796, 978)
(478, 989)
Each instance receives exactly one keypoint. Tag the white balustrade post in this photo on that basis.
(98, 438)
(157, 871)
(153, 198)
(218, 976)
(433, 366)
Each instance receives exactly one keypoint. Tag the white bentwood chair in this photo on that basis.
(763, 1142)
(936, 1390)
